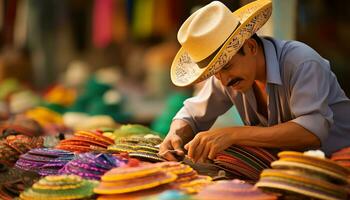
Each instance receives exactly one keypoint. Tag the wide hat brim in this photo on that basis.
(184, 71)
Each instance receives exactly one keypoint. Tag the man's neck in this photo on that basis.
(261, 67)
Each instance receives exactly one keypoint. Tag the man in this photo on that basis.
(284, 91)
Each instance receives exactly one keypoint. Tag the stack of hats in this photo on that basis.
(195, 185)
(342, 157)
(244, 162)
(20, 125)
(184, 172)
(84, 141)
(305, 175)
(141, 147)
(234, 189)
(188, 179)
(60, 187)
(44, 116)
(91, 165)
(133, 130)
(14, 145)
(11, 189)
(44, 161)
(119, 182)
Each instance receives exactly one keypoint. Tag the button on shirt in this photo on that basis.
(300, 88)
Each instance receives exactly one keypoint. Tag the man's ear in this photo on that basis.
(252, 46)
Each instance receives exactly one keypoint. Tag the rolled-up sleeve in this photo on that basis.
(309, 93)
(202, 110)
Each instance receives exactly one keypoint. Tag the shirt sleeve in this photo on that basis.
(202, 110)
(309, 93)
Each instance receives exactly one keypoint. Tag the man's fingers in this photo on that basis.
(204, 156)
(191, 147)
(168, 156)
(177, 146)
(212, 153)
(197, 154)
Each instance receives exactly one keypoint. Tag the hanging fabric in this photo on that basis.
(102, 23)
(120, 21)
(142, 18)
(21, 24)
(9, 21)
(162, 22)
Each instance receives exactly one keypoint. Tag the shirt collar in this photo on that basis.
(272, 65)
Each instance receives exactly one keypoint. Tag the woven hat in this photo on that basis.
(211, 36)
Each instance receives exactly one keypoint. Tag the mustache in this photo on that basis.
(234, 81)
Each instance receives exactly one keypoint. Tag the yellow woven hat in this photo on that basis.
(211, 36)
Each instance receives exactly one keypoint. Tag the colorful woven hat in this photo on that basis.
(289, 181)
(309, 176)
(133, 130)
(137, 195)
(317, 166)
(60, 187)
(91, 165)
(130, 179)
(234, 189)
(15, 145)
(244, 162)
(223, 33)
(184, 172)
(44, 161)
(20, 124)
(194, 185)
(11, 189)
(84, 141)
(44, 116)
(342, 157)
(140, 147)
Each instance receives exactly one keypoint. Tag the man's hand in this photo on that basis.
(172, 146)
(207, 144)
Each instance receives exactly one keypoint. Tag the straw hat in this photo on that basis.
(211, 36)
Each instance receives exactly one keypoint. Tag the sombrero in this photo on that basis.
(211, 36)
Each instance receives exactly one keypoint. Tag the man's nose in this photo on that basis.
(222, 77)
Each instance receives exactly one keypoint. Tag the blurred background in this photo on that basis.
(113, 57)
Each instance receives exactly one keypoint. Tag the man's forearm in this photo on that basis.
(288, 135)
(182, 129)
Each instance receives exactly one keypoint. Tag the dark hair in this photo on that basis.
(256, 38)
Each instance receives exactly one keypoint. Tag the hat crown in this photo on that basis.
(206, 30)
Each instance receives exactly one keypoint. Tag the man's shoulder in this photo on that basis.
(294, 52)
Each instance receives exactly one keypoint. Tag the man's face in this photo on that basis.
(240, 71)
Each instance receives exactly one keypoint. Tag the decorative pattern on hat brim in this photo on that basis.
(91, 165)
(301, 183)
(135, 184)
(138, 195)
(184, 71)
(60, 188)
(317, 171)
(326, 165)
